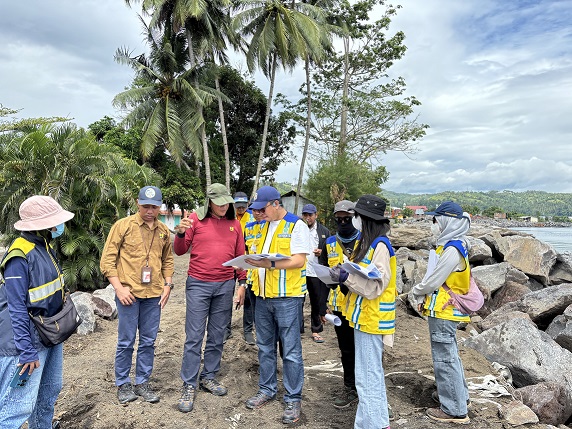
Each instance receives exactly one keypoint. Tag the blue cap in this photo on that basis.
(448, 208)
(263, 196)
(309, 208)
(150, 195)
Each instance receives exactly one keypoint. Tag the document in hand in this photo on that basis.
(369, 272)
(323, 273)
(240, 262)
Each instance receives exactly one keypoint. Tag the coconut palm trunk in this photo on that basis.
(307, 139)
(223, 134)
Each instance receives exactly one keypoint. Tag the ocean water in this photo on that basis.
(559, 238)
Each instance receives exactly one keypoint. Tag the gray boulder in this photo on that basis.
(560, 330)
(84, 306)
(411, 236)
(517, 414)
(478, 251)
(548, 401)
(543, 305)
(531, 256)
(404, 254)
(399, 280)
(490, 278)
(499, 317)
(561, 271)
(510, 292)
(108, 295)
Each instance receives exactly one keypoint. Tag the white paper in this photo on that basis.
(333, 319)
(370, 272)
(240, 261)
(323, 273)
(431, 264)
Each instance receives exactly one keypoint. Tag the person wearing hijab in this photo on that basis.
(33, 284)
(450, 225)
(370, 309)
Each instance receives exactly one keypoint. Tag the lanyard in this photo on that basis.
(147, 250)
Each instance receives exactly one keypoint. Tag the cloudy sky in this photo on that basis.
(495, 80)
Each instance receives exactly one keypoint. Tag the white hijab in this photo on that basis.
(453, 228)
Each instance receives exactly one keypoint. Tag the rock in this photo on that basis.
(530, 354)
(399, 280)
(108, 295)
(499, 317)
(548, 401)
(478, 251)
(84, 305)
(490, 278)
(411, 236)
(561, 271)
(495, 241)
(517, 414)
(531, 256)
(560, 330)
(419, 271)
(543, 305)
(102, 308)
(510, 292)
(408, 267)
(404, 254)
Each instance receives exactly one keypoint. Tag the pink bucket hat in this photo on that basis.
(40, 212)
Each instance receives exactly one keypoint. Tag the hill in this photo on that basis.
(533, 203)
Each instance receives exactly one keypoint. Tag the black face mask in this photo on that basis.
(346, 229)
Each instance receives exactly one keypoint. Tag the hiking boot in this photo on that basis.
(258, 400)
(145, 391)
(439, 415)
(249, 338)
(185, 404)
(212, 386)
(125, 393)
(435, 397)
(347, 398)
(291, 412)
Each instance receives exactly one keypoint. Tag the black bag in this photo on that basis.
(59, 327)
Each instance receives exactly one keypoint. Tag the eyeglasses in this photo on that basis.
(343, 219)
(263, 209)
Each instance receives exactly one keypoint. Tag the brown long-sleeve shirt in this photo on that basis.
(125, 253)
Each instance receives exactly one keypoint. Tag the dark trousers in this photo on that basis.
(318, 293)
(345, 334)
(248, 310)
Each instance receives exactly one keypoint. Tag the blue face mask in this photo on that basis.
(59, 231)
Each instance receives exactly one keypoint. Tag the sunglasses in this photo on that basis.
(263, 209)
(343, 219)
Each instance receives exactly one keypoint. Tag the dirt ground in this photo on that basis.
(88, 398)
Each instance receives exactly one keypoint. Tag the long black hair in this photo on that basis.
(370, 230)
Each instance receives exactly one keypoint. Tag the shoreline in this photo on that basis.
(504, 223)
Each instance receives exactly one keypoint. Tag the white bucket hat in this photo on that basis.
(41, 212)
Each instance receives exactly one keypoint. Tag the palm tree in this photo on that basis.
(164, 96)
(279, 31)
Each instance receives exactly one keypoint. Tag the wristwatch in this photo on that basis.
(171, 285)
(272, 265)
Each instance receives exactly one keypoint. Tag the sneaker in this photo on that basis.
(435, 397)
(347, 398)
(185, 404)
(439, 415)
(145, 391)
(258, 400)
(249, 338)
(291, 412)
(125, 393)
(212, 386)
(390, 413)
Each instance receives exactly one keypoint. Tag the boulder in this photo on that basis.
(495, 241)
(517, 414)
(411, 236)
(543, 305)
(108, 295)
(404, 254)
(419, 271)
(530, 354)
(102, 308)
(560, 330)
(561, 271)
(499, 317)
(510, 292)
(399, 280)
(548, 401)
(490, 278)
(478, 251)
(408, 268)
(531, 256)
(84, 305)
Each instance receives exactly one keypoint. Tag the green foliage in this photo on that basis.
(12, 123)
(92, 180)
(538, 203)
(407, 212)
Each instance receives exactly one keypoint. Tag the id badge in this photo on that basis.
(146, 275)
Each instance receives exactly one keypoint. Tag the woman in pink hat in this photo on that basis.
(31, 373)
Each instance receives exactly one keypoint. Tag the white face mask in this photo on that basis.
(435, 230)
(356, 222)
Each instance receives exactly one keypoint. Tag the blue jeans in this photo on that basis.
(447, 366)
(144, 314)
(370, 382)
(212, 302)
(278, 319)
(35, 401)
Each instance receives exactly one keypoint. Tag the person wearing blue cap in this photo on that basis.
(317, 290)
(137, 259)
(279, 287)
(450, 226)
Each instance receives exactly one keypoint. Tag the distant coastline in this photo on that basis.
(505, 223)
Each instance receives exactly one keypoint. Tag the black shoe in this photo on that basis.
(249, 338)
(145, 391)
(125, 393)
(185, 404)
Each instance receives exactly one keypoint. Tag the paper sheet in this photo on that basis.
(323, 273)
(333, 319)
(370, 272)
(240, 261)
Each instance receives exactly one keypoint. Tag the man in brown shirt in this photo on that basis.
(138, 262)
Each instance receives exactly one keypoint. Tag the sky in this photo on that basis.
(494, 79)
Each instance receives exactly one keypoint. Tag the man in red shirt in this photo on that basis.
(214, 236)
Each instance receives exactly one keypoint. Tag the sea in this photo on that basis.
(559, 238)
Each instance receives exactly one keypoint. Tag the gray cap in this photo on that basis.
(344, 206)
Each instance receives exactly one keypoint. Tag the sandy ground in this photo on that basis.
(88, 398)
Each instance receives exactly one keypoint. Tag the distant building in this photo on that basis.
(418, 211)
(499, 216)
(289, 200)
(532, 219)
(170, 218)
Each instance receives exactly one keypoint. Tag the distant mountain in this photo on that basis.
(533, 203)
